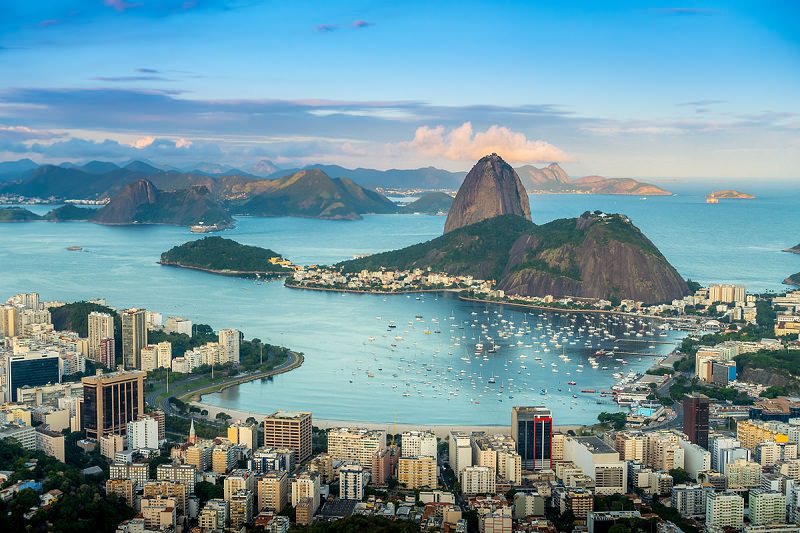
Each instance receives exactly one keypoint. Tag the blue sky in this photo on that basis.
(613, 88)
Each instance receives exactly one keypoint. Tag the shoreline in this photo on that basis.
(441, 430)
(230, 273)
(196, 395)
(375, 293)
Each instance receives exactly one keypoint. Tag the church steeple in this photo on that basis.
(192, 434)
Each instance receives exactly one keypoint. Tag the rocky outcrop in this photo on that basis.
(794, 279)
(123, 207)
(142, 203)
(492, 188)
(549, 175)
(793, 249)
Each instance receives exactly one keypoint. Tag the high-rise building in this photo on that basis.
(134, 337)
(229, 341)
(460, 452)
(110, 401)
(107, 355)
(241, 503)
(148, 358)
(417, 472)
(32, 369)
(239, 479)
(695, 418)
(245, 434)
(143, 433)
(8, 321)
(416, 443)
(273, 491)
(724, 509)
(168, 489)
(185, 474)
(532, 430)
(600, 462)
(289, 430)
(305, 485)
(767, 507)
(101, 326)
(351, 481)
(478, 480)
(355, 444)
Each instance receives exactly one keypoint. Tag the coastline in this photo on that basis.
(230, 273)
(441, 431)
(196, 395)
(378, 293)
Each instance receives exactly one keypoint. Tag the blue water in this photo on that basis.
(735, 241)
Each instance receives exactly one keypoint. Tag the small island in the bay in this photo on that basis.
(227, 257)
(429, 203)
(727, 194)
(793, 249)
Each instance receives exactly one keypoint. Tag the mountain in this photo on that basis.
(263, 168)
(14, 170)
(306, 193)
(794, 279)
(430, 203)
(554, 179)
(142, 167)
(595, 255)
(141, 202)
(601, 185)
(532, 176)
(492, 188)
(418, 178)
(98, 167)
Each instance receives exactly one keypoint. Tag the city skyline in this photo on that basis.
(634, 89)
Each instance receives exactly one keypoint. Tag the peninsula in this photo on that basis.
(227, 257)
(489, 236)
(793, 249)
(794, 279)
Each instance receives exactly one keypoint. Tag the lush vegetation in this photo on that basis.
(17, 214)
(682, 386)
(75, 317)
(480, 249)
(70, 212)
(780, 361)
(430, 203)
(218, 253)
(359, 524)
(181, 343)
(81, 508)
(616, 420)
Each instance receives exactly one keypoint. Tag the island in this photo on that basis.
(17, 214)
(429, 203)
(228, 258)
(794, 279)
(793, 249)
(552, 179)
(727, 194)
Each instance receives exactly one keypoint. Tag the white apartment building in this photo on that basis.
(355, 444)
(229, 340)
(305, 485)
(418, 443)
(598, 461)
(351, 481)
(460, 448)
(143, 433)
(478, 480)
(724, 509)
(767, 507)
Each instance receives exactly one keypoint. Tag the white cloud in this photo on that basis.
(183, 143)
(144, 142)
(462, 144)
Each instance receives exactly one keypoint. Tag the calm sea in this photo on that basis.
(346, 337)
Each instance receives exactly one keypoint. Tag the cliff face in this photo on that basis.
(492, 188)
(123, 207)
(593, 257)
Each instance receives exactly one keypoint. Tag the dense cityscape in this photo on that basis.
(697, 448)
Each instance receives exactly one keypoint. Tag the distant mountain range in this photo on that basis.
(103, 179)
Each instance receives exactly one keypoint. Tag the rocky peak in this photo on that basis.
(492, 188)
